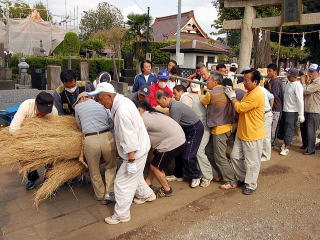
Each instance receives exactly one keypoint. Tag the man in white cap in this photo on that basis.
(233, 71)
(311, 93)
(133, 145)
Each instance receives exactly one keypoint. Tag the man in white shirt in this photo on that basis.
(133, 145)
(293, 108)
(269, 100)
(42, 106)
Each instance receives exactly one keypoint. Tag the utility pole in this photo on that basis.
(178, 31)
(148, 29)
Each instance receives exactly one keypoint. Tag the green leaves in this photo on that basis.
(105, 16)
(70, 46)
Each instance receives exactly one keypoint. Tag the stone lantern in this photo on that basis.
(23, 71)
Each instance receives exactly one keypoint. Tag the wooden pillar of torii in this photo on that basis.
(249, 22)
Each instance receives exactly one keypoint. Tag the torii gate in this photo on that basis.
(291, 15)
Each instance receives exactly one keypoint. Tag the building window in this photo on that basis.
(200, 60)
(211, 59)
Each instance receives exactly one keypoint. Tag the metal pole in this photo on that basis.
(279, 46)
(148, 29)
(178, 30)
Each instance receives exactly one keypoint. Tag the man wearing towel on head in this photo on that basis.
(133, 145)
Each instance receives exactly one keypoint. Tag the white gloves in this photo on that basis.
(131, 168)
(301, 118)
(230, 92)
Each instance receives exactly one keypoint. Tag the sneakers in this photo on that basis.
(110, 197)
(162, 193)
(30, 185)
(309, 153)
(195, 182)
(227, 186)
(284, 152)
(263, 159)
(172, 178)
(151, 198)
(248, 191)
(115, 220)
(205, 182)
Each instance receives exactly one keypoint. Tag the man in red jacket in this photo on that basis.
(163, 77)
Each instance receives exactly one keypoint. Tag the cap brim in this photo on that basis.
(143, 93)
(94, 93)
(312, 69)
(162, 78)
(44, 108)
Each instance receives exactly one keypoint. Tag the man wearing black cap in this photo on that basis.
(141, 95)
(42, 106)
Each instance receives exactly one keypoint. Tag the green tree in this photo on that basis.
(105, 16)
(138, 25)
(92, 44)
(70, 46)
(112, 38)
(17, 9)
(233, 36)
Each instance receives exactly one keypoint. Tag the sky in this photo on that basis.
(205, 13)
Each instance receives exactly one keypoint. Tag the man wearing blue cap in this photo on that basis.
(163, 77)
(311, 93)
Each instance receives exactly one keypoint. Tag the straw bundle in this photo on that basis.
(57, 176)
(41, 141)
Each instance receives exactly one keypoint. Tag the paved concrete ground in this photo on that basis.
(66, 217)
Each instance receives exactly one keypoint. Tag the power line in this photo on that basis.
(136, 2)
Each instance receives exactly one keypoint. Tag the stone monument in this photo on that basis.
(5, 72)
(128, 73)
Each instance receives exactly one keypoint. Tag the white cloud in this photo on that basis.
(131, 9)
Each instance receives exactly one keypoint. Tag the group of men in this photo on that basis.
(180, 131)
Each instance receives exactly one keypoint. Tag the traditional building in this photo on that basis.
(197, 52)
(198, 47)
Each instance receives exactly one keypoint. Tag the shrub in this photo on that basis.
(92, 44)
(70, 46)
(96, 65)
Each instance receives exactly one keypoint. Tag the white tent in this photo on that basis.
(24, 35)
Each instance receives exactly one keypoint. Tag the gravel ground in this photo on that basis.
(285, 206)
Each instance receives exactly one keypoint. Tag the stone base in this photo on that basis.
(5, 73)
(6, 85)
(121, 87)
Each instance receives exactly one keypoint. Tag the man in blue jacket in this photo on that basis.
(146, 77)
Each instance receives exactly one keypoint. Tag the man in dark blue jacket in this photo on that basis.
(145, 78)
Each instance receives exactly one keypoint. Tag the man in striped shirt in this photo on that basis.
(95, 122)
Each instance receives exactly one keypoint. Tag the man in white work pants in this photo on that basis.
(133, 144)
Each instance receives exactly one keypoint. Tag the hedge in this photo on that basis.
(96, 65)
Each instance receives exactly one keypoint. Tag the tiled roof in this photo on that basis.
(165, 28)
(196, 46)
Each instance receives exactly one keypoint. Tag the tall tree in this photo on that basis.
(138, 26)
(112, 38)
(17, 9)
(105, 16)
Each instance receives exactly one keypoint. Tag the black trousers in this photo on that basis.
(33, 176)
(187, 161)
(309, 129)
(290, 121)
